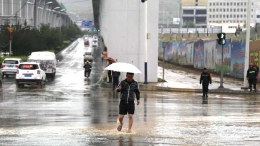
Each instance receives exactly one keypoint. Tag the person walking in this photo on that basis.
(109, 74)
(205, 79)
(115, 75)
(128, 88)
(257, 70)
(251, 76)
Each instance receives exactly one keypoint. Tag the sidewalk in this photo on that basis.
(181, 81)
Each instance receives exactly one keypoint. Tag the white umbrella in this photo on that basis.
(123, 67)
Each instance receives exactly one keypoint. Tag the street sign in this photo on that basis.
(86, 23)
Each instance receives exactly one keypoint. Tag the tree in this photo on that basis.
(189, 24)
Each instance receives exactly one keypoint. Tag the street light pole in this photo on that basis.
(35, 13)
(145, 41)
(247, 42)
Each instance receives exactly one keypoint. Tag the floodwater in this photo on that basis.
(72, 110)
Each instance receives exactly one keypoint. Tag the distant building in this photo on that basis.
(232, 11)
(195, 11)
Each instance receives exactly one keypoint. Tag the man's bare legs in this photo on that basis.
(130, 124)
(120, 119)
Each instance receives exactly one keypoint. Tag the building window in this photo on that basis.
(220, 4)
(224, 16)
(213, 16)
(210, 4)
(227, 9)
(209, 21)
(234, 3)
(213, 10)
(216, 16)
(244, 10)
(227, 16)
(216, 10)
(241, 3)
(227, 3)
(209, 16)
(234, 10)
(224, 10)
(234, 16)
(220, 16)
(252, 4)
(241, 10)
(231, 10)
(217, 4)
(257, 16)
(251, 16)
(238, 10)
(237, 16)
(213, 4)
(224, 4)
(241, 16)
(245, 3)
(220, 10)
(230, 16)
(237, 3)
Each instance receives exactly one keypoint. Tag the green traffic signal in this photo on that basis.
(221, 38)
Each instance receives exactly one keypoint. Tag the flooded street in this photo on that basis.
(71, 110)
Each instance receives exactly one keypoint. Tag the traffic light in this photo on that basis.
(221, 38)
(143, 1)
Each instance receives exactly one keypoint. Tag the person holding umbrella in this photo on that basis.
(127, 88)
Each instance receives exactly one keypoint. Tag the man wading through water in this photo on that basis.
(127, 88)
(205, 79)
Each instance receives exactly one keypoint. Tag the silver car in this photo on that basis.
(9, 66)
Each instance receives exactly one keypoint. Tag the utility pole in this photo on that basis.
(35, 13)
(146, 37)
(247, 42)
(222, 41)
(164, 46)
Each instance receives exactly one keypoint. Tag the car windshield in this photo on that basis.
(11, 62)
(28, 66)
(94, 41)
(87, 53)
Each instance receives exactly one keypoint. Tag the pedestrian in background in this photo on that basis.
(115, 75)
(205, 79)
(109, 74)
(128, 88)
(257, 70)
(251, 76)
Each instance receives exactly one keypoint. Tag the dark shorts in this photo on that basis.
(126, 108)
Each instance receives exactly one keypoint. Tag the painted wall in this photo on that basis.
(207, 54)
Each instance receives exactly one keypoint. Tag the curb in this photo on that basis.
(144, 87)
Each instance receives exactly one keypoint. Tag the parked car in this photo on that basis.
(9, 66)
(94, 43)
(31, 73)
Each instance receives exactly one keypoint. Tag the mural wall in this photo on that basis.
(208, 54)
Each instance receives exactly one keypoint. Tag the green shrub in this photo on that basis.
(24, 58)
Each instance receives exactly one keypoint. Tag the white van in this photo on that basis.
(47, 59)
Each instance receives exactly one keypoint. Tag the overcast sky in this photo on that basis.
(82, 8)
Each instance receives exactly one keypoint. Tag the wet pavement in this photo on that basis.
(71, 110)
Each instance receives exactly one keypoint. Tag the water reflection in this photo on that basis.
(145, 108)
(124, 141)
